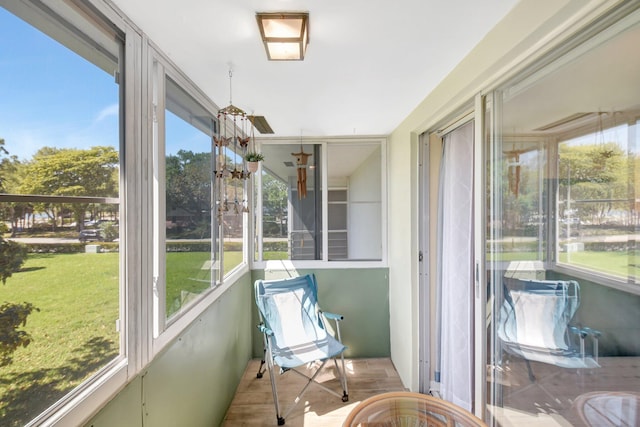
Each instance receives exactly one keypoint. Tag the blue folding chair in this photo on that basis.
(296, 333)
(534, 323)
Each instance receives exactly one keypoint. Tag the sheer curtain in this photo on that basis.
(455, 273)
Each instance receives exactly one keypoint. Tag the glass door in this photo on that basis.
(563, 342)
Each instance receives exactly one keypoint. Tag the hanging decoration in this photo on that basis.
(513, 171)
(252, 157)
(301, 163)
(233, 133)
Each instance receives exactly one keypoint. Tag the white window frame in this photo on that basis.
(572, 50)
(165, 331)
(137, 205)
(66, 22)
(323, 263)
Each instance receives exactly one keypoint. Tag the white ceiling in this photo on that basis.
(369, 63)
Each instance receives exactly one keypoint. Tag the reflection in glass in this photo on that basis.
(191, 264)
(596, 205)
(355, 201)
(562, 225)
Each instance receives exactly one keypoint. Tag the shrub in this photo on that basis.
(12, 316)
(12, 256)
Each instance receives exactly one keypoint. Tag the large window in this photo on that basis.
(61, 321)
(596, 202)
(199, 232)
(115, 232)
(322, 201)
(190, 258)
(562, 263)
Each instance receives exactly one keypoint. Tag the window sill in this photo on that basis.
(598, 278)
(178, 325)
(276, 265)
(87, 400)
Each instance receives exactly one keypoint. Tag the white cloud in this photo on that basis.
(111, 110)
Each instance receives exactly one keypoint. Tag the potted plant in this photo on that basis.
(252, 159)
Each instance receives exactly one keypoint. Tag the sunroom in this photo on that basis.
(485, 245)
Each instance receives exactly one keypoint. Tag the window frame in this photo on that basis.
(164, 330)
(84, 29)
(95, 20)
(256, 235)
(585, 41)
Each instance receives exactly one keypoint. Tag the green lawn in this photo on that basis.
(74, 333)
(615, 263)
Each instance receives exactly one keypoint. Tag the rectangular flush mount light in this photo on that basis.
(285, 34)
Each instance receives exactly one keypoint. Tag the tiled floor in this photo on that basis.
(253, 402)
(549, 401)
(552, 399)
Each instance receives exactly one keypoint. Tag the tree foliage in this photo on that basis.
(188, 184)
(597, 175)
(70, 172)
(12, 256)
(12, 317)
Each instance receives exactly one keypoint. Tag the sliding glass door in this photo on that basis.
(563, 286)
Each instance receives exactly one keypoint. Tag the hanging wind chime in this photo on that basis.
(240, 140)
(301, 165)
(513, 171)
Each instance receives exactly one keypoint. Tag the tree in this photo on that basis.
(274, 202)
(188, 184)
(597, 173)
(71, 172)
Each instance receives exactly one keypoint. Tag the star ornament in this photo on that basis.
(236, 174)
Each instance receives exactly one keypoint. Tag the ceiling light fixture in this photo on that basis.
(285, 34)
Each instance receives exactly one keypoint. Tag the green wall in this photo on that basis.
(192, 382)
(615, 313)
(360, 295)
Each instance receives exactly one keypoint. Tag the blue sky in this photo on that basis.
(50, 96)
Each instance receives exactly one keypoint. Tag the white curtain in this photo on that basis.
(456, 267)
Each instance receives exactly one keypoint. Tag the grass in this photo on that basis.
(74, 333)
(189, 274)
(614, 263)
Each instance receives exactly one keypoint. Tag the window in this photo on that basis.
(596, 202)
(186, 262)
(570, 161)
(200, 230)
(299, 187)
(562, 192)
(108, 184)
(189, 266)
(354, 175)
(60, 201)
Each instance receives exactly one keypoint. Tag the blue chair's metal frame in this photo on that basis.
(296, 333)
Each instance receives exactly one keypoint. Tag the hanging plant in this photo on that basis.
(252, 159)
